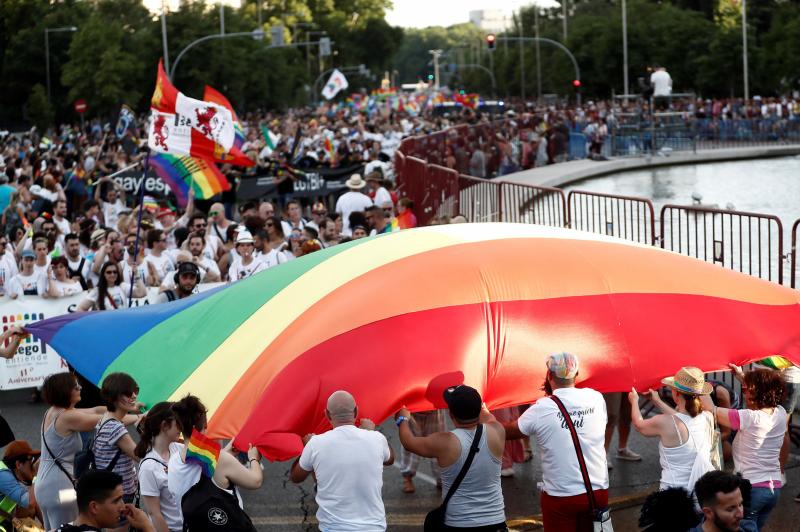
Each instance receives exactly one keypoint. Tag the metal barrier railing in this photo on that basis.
(625, 217)
(479, 199)
(442, 190)
(794, 252)
(534, 205)
(748, 242)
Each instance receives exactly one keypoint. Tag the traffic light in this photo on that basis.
(491, 40)
(430, 77)
(576, 83)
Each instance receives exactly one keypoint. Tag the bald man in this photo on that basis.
(217, 222)
(348, 464)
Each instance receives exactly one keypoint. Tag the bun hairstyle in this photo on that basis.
(151, 424)
(190, 414)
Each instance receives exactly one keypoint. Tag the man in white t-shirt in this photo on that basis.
(161, 261)
(352, 201)
(294, 218)
(114, 203)
(661, 82)
(8, 265)
(564, 489)
(348, 464)
(60, 217)
(210, 271)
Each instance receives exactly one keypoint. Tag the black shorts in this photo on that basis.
(500, 527)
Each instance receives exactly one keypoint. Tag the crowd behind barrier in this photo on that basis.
(72, 236)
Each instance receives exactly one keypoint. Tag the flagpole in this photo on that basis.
(138, 228)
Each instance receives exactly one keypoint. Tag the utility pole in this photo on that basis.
(564, 15)
(744, 50)
(521, 59)
(221, 18)
(164, 34)
(625, 47)
(538, 54)
(435, 54)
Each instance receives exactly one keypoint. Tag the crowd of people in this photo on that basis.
(152, 485)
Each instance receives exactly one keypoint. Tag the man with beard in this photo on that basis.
(196, 244)
(186, 279)
(77, 265)
(565, 505)
(720, 497)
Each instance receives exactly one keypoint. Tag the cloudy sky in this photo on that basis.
(422, 13)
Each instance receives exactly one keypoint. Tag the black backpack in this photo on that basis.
(84, 459)
(208, 508)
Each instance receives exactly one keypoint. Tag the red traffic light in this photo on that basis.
(490, 41)
(576, 83)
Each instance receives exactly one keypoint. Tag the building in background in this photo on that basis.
(490, 20)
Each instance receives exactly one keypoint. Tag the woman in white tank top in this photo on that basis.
(685, 432)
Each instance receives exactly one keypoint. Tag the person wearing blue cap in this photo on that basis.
(565, 505)
(28, 282)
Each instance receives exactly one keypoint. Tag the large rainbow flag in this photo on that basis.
(182, 173)
(397, 318)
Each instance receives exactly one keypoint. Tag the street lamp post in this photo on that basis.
(435, 54)
(625, 47)
(744, 50)
(164, 34)
(47, 32)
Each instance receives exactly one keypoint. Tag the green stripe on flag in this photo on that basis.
(267, 137)
(164, 357)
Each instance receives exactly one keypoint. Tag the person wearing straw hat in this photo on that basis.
(685, 432)
(352, 201)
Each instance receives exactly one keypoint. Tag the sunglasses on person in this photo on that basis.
(112, 272)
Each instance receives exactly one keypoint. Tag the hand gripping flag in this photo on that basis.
(179, 124)
(336, 82)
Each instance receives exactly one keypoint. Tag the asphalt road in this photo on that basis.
(282, 506)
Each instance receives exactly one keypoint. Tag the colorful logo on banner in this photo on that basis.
(32, 361)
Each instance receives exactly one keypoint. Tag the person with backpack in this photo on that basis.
(113, 447)
(160, 433)
(198, 493)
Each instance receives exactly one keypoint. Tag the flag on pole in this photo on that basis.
(235, 156)
(335, 83)
(177, 120)
(181, 173)
(214, 96)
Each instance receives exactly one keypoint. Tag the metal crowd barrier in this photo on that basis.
(533, 205)
(625, 217)
(747, 242)
(479, 199)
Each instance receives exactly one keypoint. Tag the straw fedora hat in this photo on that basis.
(689, 380)
(355, 182)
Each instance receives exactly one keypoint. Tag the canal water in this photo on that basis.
(765, 186)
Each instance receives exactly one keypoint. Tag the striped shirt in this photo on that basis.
(105, 448)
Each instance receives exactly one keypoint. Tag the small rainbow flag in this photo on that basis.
(179, 173)
(203, 451)
(329, 149)
(776, 362)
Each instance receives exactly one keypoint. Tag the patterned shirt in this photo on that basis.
(105, 448)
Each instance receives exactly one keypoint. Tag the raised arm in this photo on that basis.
(431, 446)
(14, 336)
(646, 427)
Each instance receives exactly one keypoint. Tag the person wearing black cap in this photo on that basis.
(477, 503)
(186, 279)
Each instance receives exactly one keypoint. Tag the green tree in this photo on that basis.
(40, 112)
(99, 69)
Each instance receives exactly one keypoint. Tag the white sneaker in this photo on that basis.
(628, 455)
(507, 472)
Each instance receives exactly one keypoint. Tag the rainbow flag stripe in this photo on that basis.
(203, 451)
(179, 173)
(483, 304)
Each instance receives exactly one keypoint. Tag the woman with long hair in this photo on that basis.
(61, 439)
(160, 433)
(111, 293)
(229, 473)
(685, 432)
(275, 237)
(757, 445)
